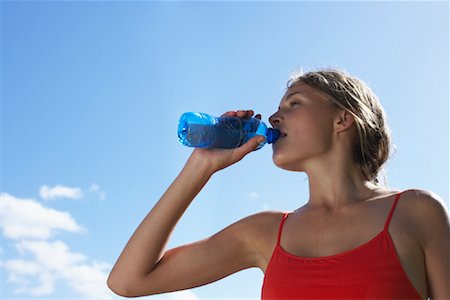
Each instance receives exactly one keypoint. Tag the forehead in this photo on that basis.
(306, 91)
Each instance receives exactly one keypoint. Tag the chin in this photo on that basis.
(285, 164)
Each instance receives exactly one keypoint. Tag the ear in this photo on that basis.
(344, 120)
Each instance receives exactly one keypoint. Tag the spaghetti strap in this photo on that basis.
(281, 227)
(388, 221)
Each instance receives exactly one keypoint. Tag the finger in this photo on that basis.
(245, 113)
(230, 113)
(249, 146)
(241, 113)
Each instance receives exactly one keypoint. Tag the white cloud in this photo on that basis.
(183, 295)
(55, 261)
(43, 264)
(94, 188)
(22, 267)
(190, 295)
(179, 295)
(59, 191)
(253, 195)
(26, 218)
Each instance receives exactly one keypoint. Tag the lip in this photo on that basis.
(282, 136)
(282, 133)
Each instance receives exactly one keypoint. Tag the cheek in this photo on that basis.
(302, 134)
(304, 142)
(314, 131)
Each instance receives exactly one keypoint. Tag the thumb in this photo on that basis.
(249, 146)
(258, 140)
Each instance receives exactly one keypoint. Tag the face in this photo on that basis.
(305, 118)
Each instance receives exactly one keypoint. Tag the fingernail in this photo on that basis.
(260, 139)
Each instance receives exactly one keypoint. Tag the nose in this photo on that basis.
(274, 119)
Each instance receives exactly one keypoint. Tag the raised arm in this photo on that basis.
(145, 268)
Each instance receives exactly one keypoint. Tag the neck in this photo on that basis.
(334, 188)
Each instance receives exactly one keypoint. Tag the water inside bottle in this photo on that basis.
(224, 134)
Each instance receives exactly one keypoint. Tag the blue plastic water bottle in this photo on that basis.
(205, 131)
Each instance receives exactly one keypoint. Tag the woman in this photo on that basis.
(352, 239)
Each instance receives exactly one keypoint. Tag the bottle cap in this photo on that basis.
(272, 135)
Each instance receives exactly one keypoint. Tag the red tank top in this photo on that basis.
(370, 271)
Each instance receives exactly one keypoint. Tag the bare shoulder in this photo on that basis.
(263, 218)
(426, 212)
(425, 204)
(257, 225)
(259, 232)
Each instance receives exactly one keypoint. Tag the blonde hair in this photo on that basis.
(372, 149)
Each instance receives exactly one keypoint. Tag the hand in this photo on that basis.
(217, 159)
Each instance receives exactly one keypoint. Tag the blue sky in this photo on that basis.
(92, 93)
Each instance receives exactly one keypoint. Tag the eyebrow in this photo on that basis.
(292, 94)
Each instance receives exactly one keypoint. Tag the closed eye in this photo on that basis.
(290, 104)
